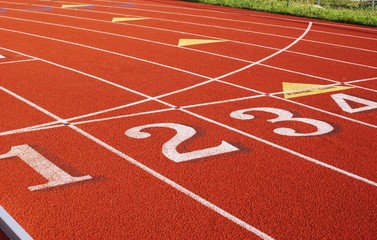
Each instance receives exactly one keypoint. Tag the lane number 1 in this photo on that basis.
(54, 175)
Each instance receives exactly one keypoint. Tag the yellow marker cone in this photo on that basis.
(190, 42)
(76, 5)
(293, 90)
(123, 19)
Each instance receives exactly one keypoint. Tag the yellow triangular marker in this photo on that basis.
(122, 19)
(293, 90)
(76, 5)
(189, 42)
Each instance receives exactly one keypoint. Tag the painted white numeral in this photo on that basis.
(43, 166)
(183, 133)
(340, 99)
(284, 115)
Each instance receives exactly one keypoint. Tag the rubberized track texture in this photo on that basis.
(176, 120)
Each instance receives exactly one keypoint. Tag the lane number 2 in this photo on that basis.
(54, 175)
(284, 115)
(169, 149)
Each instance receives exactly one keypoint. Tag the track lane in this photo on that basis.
(71, 94)
(177, 58)
(73, 56)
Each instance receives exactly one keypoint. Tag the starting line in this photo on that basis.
(11, 228)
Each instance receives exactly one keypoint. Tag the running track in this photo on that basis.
(116, 124)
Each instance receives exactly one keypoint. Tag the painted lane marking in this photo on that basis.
(78, 6)
(41, 9)
(190, 42)
(127, 19)
(54, 175)
(293, 90)
(11, 227)
(1, 56)
(17, 61)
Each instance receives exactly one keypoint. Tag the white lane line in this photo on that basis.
(362, 80)
(1, 56)
(11, 227)
(361, 87)
(152, 172)
(17, 61)
(123, 116)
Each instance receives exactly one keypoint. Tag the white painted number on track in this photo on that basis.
(54, 175)
(183, 133)
(340, 99)
(284, 115)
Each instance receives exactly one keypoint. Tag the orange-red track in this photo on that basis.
(74, 86)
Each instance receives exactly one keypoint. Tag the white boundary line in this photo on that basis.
(11, 227)
(17, 61)
(152, 172)
(362, 80)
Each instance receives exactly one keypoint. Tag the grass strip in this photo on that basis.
(347, 11)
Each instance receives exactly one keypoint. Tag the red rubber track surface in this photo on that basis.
(231, 145)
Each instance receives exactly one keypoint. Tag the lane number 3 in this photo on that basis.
(283, 116)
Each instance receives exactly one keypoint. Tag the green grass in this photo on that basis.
(345, 11)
